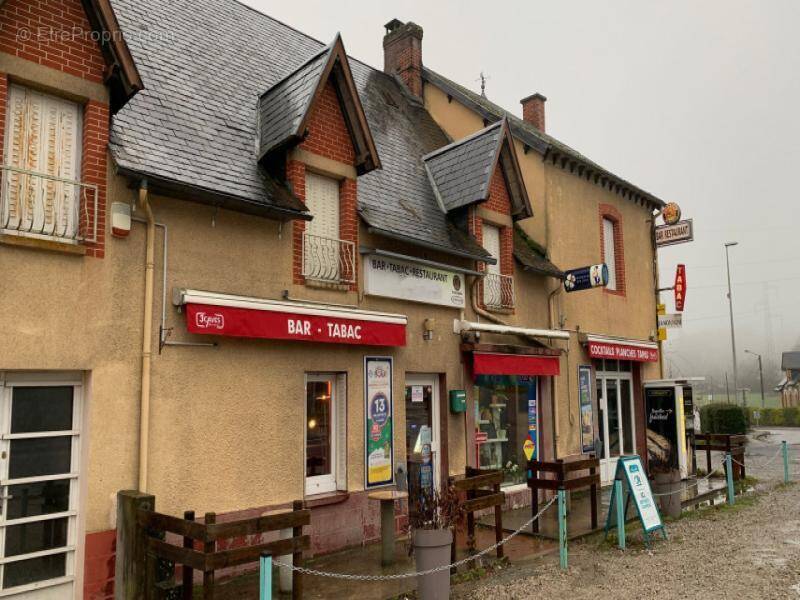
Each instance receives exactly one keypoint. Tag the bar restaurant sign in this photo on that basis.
(406, 280)
(680, 232)
(379, 425)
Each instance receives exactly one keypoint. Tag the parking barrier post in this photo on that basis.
(562, 527)
(785, 448)
(620, 514)
(265, 576)
(729, 476)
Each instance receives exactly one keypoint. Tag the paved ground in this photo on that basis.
(750, 551)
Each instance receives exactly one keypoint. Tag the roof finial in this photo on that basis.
(483, 78)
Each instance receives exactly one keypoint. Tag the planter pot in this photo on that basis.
(669, 482)
(431, 550)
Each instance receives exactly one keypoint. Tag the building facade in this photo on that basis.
(248, 269)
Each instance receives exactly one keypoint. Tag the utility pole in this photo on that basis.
(730, 305)
(727, 388)
(760, 375)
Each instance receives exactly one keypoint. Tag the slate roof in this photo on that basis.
(462, 171)
(527, 133)
(790, 361)
(531, 258)
(205, 65)
(283, 106)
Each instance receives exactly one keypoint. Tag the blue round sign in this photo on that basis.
(379, 409)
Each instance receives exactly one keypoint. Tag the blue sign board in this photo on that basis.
(586, 278)
(636, 488)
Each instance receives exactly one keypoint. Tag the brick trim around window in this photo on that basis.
(610, 212)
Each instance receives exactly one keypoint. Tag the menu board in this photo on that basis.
(379, 428)
(636, 486)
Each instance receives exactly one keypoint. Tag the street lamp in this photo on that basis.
(760, 374)
(730, 304)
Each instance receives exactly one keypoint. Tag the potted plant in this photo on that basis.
(431, 521)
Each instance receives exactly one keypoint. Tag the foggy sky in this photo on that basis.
(695, 102)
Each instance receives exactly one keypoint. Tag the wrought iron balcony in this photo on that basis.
(498, 291)
(42, 205)
(329, 260)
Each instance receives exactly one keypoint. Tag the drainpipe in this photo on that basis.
(556, 426)
(147, 331)
(478, 310)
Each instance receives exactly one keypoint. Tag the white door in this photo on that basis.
(423, 444)
(616, 418)
(39, 479)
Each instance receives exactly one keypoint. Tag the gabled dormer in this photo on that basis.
(285, 110)
(478, 183)
(313, 132)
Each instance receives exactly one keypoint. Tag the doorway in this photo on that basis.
(423, 444)
(617, 424)
(40, 424)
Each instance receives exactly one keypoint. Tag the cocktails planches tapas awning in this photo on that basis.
(211, 313)
(621, 349)
(485, 363)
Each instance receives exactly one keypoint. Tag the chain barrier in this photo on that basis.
(693, 484)
(463, 561)
(761, 465)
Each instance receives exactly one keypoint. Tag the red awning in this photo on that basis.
(514, 364)
(238, 316)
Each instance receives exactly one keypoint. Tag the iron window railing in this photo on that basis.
(328, 259)
(498, 291)
(44, 205)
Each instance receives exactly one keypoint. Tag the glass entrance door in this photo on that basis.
(422, 434)
(616, 416)
(40, 452)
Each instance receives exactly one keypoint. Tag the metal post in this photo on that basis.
(562, 527)
(729, 476)
(620, 514)
(785, 448)
(730, 306)
(761, 375)
(265, 576)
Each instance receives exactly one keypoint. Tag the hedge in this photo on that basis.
(723, 418)
(786, 417)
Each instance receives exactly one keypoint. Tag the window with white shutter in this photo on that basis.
(609, 252)
(325, 256)
(41, 192)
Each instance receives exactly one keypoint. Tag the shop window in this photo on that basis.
(326, 433)
(41, 193)
(506, 412)
(326, 257)
(616, 417)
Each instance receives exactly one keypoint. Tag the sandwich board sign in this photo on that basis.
(636, 487)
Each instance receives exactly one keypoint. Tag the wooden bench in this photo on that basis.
(723, 442)
(561, 470)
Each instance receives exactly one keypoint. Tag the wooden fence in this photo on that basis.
(143, 549)
(562, 479)
(723, 442)
(482, 488)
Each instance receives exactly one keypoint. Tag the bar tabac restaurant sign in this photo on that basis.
(211, 313)
(396, 278)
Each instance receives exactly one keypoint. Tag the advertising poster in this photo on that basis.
(533, 425)
(662, 426)
(379, 434)
(587, 415)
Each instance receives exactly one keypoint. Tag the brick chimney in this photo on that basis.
(402, 53)
(533, 110)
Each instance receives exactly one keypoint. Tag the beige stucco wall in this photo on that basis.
(566, 222)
